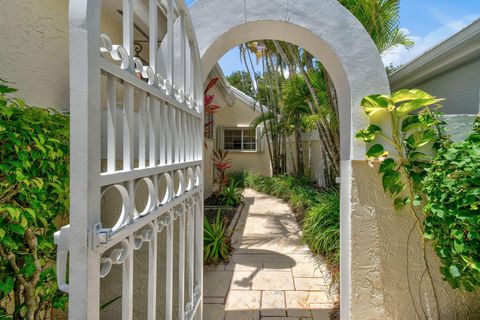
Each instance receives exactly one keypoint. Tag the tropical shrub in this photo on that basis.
(216, 241)
(231, 195)
(221, 164)
(452, 187)
(34, 198)
(239, 177)
(321, 227)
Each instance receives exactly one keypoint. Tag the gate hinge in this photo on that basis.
(62, 239)
(101, 235)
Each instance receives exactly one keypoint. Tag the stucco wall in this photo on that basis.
(34, 54)
(241, 114)
(208, 168)
(379, 278)
(460, 87)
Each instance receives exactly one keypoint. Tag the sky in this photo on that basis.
(428, 22)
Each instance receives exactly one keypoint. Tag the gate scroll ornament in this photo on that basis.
(147, 142)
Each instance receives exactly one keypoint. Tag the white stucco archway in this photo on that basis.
(333, 35)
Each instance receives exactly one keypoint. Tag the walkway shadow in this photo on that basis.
(260, 282)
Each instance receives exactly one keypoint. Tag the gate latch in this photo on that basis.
(62, 240)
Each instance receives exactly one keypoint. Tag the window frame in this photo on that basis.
(242, 130)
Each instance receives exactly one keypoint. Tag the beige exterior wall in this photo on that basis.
(379, 243)
(239, 114)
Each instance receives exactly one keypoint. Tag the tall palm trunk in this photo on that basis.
(323, 128)
(299, 149)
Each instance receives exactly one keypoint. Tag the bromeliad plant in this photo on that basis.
(231, 195)
(415, 130)
(216, 241)
(34, 197)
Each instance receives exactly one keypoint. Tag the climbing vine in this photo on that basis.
(404, 153)
(452, 187)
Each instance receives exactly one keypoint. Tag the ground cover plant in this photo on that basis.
(34, 198)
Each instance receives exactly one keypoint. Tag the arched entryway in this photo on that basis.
(328, 31)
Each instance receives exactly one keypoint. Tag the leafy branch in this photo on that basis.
(415, 130)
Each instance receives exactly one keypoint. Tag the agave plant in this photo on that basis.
(231, 195)
(216, 241)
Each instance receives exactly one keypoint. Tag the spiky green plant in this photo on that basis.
(216, 241)
(231, 195)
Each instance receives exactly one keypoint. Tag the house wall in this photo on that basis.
(460, 87)
(34, 54)
(239, 114)
(379, 275)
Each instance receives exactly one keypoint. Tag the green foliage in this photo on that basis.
(318, 210)
(34, 197)
(381, 20)
(242, 81)
(321, 227)
(452, 187)
(415, 127)
(216, 241)
(231, 195)
(239, 177)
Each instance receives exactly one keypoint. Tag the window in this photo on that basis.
(208, 130)
(244, 139)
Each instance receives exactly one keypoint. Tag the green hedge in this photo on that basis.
(34, 198)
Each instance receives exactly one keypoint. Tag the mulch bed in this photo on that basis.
(212, 206)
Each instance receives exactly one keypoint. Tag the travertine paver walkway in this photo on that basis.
(271, 275)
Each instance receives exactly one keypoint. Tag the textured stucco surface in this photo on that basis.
(34, 54)
(460, 87)
(379, 237)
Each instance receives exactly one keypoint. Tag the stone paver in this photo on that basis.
(271, 275)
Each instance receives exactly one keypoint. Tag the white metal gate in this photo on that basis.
(146, 143)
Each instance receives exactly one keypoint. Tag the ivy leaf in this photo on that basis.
(2, 233)
(387, 165)
(392, 182)
(454, 271)
(6, 89)
(400, 203)
(7, 286)
(369, 134)
(411, 122)
(375, 103)
(415, 104)
(16, 228)
(376, 151)
(407, 94)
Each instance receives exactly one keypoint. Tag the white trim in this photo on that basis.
(460, 48)
(241, 129)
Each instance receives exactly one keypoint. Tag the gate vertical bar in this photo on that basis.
(84, 272)
(152, 273)
(169, 270)
(111, 123)
(181, 264)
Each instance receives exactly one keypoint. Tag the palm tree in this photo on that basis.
(381, 20)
